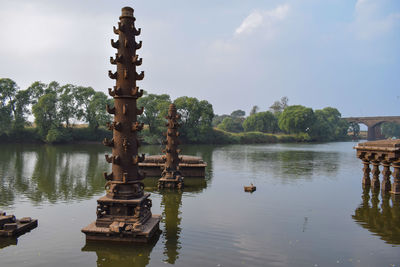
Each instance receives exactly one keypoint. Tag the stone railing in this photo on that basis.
(385, 153)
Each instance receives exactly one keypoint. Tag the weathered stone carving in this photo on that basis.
(385, 153)
(10, 226)
(124, 213)
(171, 177)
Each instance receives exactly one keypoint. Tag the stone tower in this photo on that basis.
(124, 213)
(171, 176)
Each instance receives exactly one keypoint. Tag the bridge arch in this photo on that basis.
(373, 124)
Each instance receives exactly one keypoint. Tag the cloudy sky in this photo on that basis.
(233, 53)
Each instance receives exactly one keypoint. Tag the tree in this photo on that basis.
(155, 110)
(218, 119)
(83, 97)
(278, 106)
(354, 128)
(238, 113)
(21, 110)
(328, 125)
(45, 112)
(8, 89)
(67, 103)
(96, 113)
(296, 119)
(231, 124)
(196, 118)
(254, 110)
(36, 90)
(262, 122)
(390, 129)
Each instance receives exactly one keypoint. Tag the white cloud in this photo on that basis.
(263, 19)
(370, 22)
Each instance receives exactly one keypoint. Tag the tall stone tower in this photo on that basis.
(124, 213)
(171, 176)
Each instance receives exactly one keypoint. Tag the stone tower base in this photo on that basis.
(148, 230)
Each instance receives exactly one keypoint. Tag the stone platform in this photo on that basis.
(148, 230)
(189, 166)
(10, 226)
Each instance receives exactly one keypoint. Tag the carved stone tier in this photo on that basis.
(148, 230)
(189, 166)
(385, 153)
(124, 214)
(132, 212)
(10, 226)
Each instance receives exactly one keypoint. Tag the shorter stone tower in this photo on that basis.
(171, 176)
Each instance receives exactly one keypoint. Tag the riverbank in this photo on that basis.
(92, 136)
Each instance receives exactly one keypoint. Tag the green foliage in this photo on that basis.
(390, 129)
(96, 112)
(296, 119)
(8, 89)
(90, 135)
(218, 119)
(223, 137)
(196, 119)
(231, 124)
(254, 110)
(21, 110)
(264, 122)
(238, 113)
(278, 106)
(155, 111)
(58, 135)
(354, 128)
(67, 103)
(45, 112)
(328, 125)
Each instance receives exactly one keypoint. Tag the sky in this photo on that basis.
(233, 53)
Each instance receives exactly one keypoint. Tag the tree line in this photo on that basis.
(58, 112)
(58, 109)
(314, 125)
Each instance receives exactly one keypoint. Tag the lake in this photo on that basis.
(309, 209)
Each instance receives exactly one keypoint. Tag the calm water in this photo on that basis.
(309, 209)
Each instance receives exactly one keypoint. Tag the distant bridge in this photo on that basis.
(373, 124)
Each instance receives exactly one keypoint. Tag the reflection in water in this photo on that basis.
(121, 255)
(50, 173)
(171, 201)
(282, 162)
(8, 241)
(382, 220)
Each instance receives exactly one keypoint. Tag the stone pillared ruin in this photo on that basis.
(124, 213)
(10, 226)
(385, 153)
(171, 177)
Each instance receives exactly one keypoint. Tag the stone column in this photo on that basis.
(396, 180)
(375, 174)
(171, 177)
(366, 180)
(385, 187)
(371, 133)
